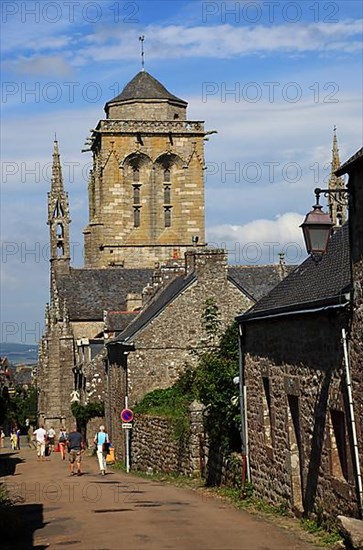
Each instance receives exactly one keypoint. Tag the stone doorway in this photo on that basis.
(293, 423)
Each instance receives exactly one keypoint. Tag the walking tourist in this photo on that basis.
(31, 437)
(13, 439)
(62, 440)
(102, 442)
(2, 438)
(75, 449)
(17, 431)
(40, 438)
(51, 436)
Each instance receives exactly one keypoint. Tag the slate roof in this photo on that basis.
(344, 168)
(116, 321)
(145, 86)
(157, 304)
(89, 292)
(257, 280)
(311, 284)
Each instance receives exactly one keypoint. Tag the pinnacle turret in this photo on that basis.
(338, 211)
(58, 218)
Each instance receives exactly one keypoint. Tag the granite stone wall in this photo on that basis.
(155, 446)
(298, 419)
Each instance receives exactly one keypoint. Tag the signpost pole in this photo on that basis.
(127, 450)
(127, 439)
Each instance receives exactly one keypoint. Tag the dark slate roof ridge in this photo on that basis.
(241, 288)
(144, 86)
(89, 292)
(161, 300)
(310, 283)
(326, 303)
(347, 164)
(257, 280)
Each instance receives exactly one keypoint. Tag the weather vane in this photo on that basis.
(142, 38)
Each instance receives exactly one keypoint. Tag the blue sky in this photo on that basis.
(272, 78)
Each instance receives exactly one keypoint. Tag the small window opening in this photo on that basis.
(137, 217)
(136, 174)
(167, 199)
(167, 175)
(167, 216)
(136, 194)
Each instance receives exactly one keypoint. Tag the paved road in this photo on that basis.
(123, 512)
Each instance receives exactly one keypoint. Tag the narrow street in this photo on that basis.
(120, 511)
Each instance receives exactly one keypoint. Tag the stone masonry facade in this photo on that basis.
(165, 346)
(297, 413)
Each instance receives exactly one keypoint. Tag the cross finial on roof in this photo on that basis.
(142, 38)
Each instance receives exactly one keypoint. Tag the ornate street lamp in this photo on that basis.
(318, 226)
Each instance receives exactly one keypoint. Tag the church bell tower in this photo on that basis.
(146, 188)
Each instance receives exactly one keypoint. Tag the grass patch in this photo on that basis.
(328, 534)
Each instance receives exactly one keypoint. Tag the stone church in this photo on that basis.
(146, 213)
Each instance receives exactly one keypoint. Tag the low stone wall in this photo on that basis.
(155, 447)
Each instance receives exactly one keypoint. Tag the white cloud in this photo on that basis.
(46, 65)
(260, 241)
(224, 41)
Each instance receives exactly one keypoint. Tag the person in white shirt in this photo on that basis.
(40, 438)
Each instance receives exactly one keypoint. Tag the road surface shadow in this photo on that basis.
(8, 462)
(21, 523)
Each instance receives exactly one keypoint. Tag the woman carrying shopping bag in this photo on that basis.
(102, 441)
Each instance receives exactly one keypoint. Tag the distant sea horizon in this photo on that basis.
(19, 354)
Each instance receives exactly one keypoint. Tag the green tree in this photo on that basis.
(215, 389)
(22, 406)
(84, 413)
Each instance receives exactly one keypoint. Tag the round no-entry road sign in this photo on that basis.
(127, 415)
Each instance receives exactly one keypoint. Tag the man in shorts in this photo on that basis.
(75, 449)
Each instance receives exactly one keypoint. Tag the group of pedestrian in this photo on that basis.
(72, 442)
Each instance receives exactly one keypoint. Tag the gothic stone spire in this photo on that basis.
(58, 218)
(338, 212)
